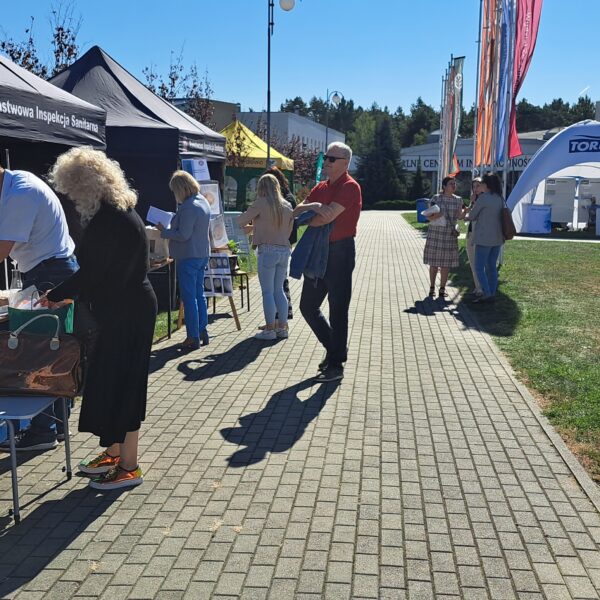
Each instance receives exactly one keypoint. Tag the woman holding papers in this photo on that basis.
(189, 244)
(272, 218)
(441, 246)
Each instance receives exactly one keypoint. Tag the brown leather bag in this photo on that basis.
(508, 227)
(38, 365)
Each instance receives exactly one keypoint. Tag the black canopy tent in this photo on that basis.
(145, 133)
(39, 121)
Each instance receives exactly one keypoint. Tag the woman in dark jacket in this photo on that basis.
(112, 282)
(488, 239)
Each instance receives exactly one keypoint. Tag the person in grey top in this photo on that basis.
(488, 238)
(189, 244)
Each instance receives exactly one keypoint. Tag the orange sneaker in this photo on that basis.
(117, 478)
(100, 464)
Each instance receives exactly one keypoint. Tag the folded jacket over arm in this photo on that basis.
(311, 253)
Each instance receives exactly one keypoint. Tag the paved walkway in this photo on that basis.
(428, 473)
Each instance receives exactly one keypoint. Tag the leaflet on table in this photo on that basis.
(156, 215)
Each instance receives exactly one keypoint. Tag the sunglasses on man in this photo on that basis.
(332, 159)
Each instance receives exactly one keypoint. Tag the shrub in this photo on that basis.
(392, 205)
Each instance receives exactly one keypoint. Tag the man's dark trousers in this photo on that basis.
(337, 286)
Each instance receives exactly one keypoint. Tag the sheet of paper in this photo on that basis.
(156, 215)
(218, 231)
(197, 168)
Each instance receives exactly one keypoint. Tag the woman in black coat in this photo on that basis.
(112, 283)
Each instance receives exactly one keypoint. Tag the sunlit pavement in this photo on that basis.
(427, 473)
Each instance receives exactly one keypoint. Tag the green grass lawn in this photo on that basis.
(547, 322)
(160, 329)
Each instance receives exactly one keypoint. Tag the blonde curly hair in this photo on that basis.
(89, 178)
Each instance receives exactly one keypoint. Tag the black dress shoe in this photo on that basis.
(323, 364)
(331, 373)
(204, 338)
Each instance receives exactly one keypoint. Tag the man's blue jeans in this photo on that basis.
(273, 262)
(191, 287)
(486, 258)
(46, 276)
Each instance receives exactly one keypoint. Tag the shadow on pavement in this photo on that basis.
(159, 358)
(26, 549)
(203, 366)
(498, 319)
(279, 425)
(24, 457)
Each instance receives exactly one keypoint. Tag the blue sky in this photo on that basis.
(384, 51)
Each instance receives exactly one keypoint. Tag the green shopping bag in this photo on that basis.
(18, 316)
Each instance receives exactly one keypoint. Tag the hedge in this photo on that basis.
(392, 205)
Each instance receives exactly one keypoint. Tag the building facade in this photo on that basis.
(286, 126)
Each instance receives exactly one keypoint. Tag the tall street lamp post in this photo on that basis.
(286, 5)
(334, 97)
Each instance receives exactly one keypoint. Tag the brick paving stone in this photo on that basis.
(392, 484)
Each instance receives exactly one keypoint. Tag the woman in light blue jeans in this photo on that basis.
(273, 262)
(488, 237)
(272, 220)
(189, 244)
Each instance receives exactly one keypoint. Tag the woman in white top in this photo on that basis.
(272, 219)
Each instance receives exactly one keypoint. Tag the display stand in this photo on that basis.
(218, 281)
(181, 315)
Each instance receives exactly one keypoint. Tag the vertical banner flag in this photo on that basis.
(528, 21)
(451, 113)
(319, 167)
(486, 94)
(457, 89)
(504, 81)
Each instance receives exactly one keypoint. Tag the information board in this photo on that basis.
(217, 277)
(235, 232)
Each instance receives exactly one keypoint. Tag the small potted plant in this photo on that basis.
(233, 259)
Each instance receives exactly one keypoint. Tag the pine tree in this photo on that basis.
(378, 171)
(419, 187)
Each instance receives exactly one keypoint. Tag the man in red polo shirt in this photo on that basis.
(337, 200)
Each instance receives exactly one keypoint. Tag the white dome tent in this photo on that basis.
(574, 154)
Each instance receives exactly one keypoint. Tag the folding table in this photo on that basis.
(27, 407)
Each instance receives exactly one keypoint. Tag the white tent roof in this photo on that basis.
(574, 152)
(589, 170)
